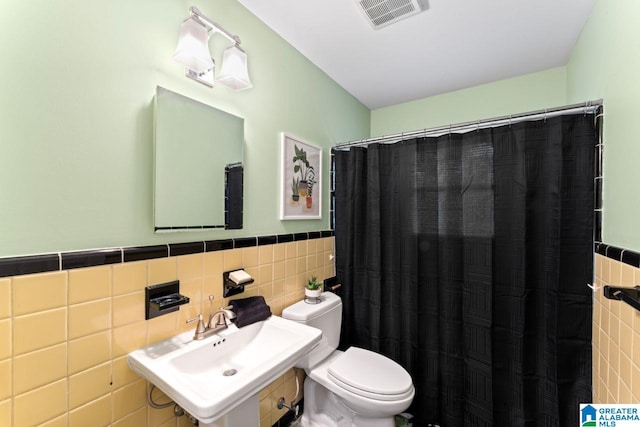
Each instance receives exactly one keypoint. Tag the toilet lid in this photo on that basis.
(369, 372)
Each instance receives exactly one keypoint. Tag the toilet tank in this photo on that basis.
(326, 316)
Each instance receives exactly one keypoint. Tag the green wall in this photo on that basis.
(76, 136)
(516, 95)
(606, 64)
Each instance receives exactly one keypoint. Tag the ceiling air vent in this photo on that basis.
(381, 13)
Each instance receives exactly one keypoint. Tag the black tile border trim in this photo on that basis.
(71, 260)
(300, 236)
(267, 240)
(218, 245)
(245, 242)
(314, 235)
(141, 253)
(626, 256)
(285, 238)
(177, 249)
(30, 264)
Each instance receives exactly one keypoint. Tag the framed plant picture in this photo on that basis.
(301, 183)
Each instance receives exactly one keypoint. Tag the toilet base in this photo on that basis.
(322, 408)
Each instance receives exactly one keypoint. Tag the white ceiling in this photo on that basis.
(452, 45)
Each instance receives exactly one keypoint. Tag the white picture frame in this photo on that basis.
(301, 170)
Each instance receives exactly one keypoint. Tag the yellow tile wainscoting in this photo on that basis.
(616, 336)
(65, 335)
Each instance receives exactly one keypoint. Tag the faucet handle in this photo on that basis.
(211, 311)
(200, 328)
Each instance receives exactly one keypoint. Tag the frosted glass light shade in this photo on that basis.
(193, 47)
(234, 72)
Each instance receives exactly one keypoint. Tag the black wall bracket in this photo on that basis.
(629, 295)
(162, 299)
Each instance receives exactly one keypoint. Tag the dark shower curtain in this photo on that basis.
(465, 258)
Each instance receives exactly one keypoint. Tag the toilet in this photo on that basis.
(356, 387)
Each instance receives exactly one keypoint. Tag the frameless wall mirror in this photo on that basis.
(198, 165)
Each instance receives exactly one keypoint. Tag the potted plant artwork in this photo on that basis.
(313, 288)
(310, 183)
(295, 189)
(307, 175)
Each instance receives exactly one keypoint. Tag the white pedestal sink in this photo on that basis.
(217, 379)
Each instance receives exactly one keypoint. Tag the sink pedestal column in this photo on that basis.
(247, 414)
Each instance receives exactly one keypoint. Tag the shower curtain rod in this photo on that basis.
(586, 107)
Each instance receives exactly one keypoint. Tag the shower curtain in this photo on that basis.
(465, 258)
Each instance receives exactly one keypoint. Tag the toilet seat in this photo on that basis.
(370, 375)
(367, 404)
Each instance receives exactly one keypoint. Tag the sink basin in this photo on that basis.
(211, 377)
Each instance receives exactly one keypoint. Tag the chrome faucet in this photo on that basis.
(221, 317)
(218, 321)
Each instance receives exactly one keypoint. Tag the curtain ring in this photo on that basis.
(596, 117)
(545, 115)
(509, 120)
(586, 105)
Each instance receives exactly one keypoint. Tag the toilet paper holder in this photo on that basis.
(629, 295)
(163, 298)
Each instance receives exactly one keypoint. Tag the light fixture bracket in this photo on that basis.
(212, 27)
(206, 77)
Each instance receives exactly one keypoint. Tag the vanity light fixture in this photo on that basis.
(193, 53)
(234, 73)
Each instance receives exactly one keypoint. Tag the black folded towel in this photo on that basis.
(250, 310)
